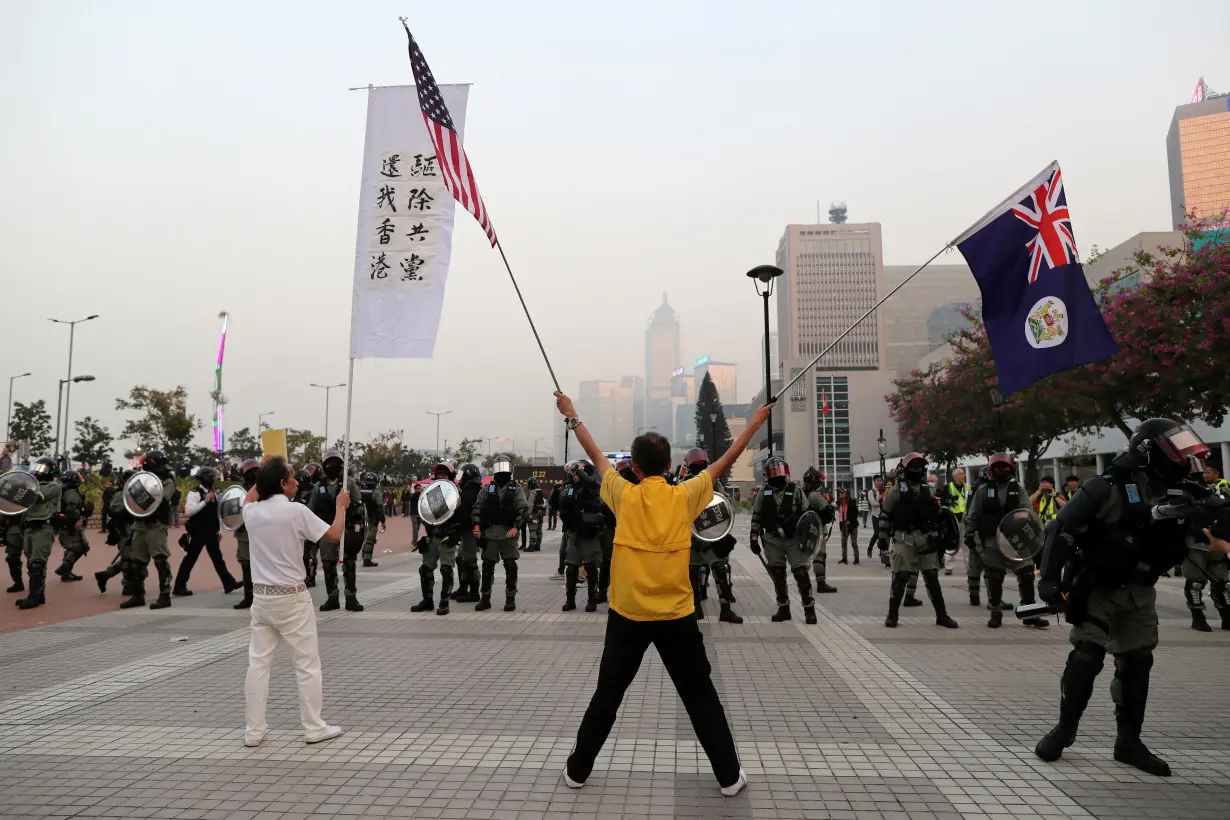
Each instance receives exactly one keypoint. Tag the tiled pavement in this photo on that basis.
(139, 714)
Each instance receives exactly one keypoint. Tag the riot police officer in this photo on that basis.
(369, 485)
(119, 535)
(38, 536)
(10, 533)
(582, 516)
(909, 516)
(149, 537)
(248, 471)
(73, 512)
(324, 504)
(813, 487)
(204, 529)
(775, 515)
(439, 548)
(307, 477)
(497, 518)
(470, 485)
(1105, 552)
(538, 508)
(1202, 568)
(991, 502)
(710, 555)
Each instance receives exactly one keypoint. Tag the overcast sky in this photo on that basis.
(165, 161)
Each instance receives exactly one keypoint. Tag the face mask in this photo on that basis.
(333, 470)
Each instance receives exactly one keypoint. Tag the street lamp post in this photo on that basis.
(9, 420)
(260, 421)
(59, 395)
(72, 330)
(326, 388)
(765, 274)
(713, 440)
(540, 438)
(437, 415)
(883, 445)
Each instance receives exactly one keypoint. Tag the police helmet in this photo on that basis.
(501, 464)
(470, 472)
(776, 471)
(70, 480)
(812, 479)
(914, 467)
(1171, 449)
(45, 468)
(696, 460)
(249, 466)
(206, 476)
(448, 466)
(156, 462)
(370, 479)
(1001, 466)
(531, 483)
(312, 472)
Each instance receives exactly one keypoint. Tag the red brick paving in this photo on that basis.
(80, 599)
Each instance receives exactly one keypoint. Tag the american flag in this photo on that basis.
(451, 155)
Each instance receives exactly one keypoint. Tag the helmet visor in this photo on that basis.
(1182, 443)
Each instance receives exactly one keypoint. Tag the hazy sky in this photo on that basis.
(163, 161)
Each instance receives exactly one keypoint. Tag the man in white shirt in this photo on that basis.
(281, 605)
(873, 496)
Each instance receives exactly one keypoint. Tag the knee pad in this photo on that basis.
(1138, 661)
(1089, 655)
(510, 565)
(930, 575)
(425, 571)
(162, 562)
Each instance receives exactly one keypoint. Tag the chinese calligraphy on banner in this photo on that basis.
(405, 229)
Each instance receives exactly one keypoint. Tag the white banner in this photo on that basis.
(405, 228)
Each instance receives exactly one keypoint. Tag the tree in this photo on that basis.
(468, 450)
(712, 435)
(243, 445)
(93, 441)
(164, 424)
(414, 464)
(303, 446)
(489, 461)
(32, 424)
(382, 453)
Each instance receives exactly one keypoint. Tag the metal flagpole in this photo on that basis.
(346, 439)
(520, 298)
(857, 322)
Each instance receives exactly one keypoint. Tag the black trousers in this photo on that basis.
(210, 545)
(681, 646)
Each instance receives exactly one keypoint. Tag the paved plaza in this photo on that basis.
(140, 713)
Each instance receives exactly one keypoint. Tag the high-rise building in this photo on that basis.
(919, 316)
(662, 358)
(637, 385)
(725, 377)
(623, 423)
(1198, 155)
(834, 273)
(595, 404)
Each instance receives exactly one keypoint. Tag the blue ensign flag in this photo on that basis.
(1040, 315)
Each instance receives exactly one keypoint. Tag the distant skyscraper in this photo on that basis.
(1198, 154)
(918, 317)
(725, 377)
(662, 359)
(596, 406)
(637, 385)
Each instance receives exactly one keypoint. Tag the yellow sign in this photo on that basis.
(273, 442)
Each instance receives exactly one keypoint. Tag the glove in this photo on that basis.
(754, 544)
(1049, 591)
(421, 545)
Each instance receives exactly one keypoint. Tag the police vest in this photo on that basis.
(956, 498)
(500, 508)
(787, 517)
(996, 500)
(205, 522)
(1115, 550)
(324, 504)
(1222, 487)
(916, 509)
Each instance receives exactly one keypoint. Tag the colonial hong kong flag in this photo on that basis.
(1039, 313)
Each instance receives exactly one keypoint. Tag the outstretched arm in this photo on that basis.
(587, 441)
(719, 468)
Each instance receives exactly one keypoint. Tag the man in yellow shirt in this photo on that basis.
(651, 597)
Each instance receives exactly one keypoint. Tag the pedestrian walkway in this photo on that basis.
(140, 714)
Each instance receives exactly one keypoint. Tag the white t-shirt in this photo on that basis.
(276, 532)
(873, 501)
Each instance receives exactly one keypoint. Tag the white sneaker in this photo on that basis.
(329, 733)
(559, 576)
(736, 787)
(253, 740)
(569, 782)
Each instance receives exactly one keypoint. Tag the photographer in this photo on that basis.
(1043, 500)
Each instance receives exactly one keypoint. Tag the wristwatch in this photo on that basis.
(572, 423)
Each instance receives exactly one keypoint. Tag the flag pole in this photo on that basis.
(858, 322)
(528, 318)
(346, 435)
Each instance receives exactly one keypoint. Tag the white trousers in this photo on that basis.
(291, 618)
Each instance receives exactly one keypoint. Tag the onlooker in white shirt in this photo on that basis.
(873, 496)
(281, 606)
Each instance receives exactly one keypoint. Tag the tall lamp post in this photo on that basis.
(72, 330)
(260, 421)
(540, 438)
(9, 420)
(883, 445)
(764, 275)
(326, 388)
(437, 415)
(59, 395)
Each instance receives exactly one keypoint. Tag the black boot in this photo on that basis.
(309, 565)
(726, 595)
(510, 585)
(134, 580)
(995, 595)
(484, 593)
(932, 579)
(427, 579)
(570, 587)
(1075, 688)
(822, 584)
(803, 579)
(446, 588)
(778, 574)
(975, 591)
(1224, 612)
(129, 577)
(1130, 691)
(163, 565)
(329, 569)
(245, 569)
(350, 577)
(1025, 582)
(896, 592)
(469, 587)
(911, 585)
(19, 585)
(1198, 621)
(694, 577)
(65, 570)
(38, 579)
(591, 576)
(367, 562)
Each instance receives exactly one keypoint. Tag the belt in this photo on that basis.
(268, 589)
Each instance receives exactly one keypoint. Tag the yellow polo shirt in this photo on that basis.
(653, 541)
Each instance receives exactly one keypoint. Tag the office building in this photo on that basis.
(918, 318)
(637, 385)
(623, 421)
(663, 358)
(595, 403)
(1198, 156)
(1121, 259)
(834, 273)
(725, 377)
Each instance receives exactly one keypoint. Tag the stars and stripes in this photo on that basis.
(454, 165)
